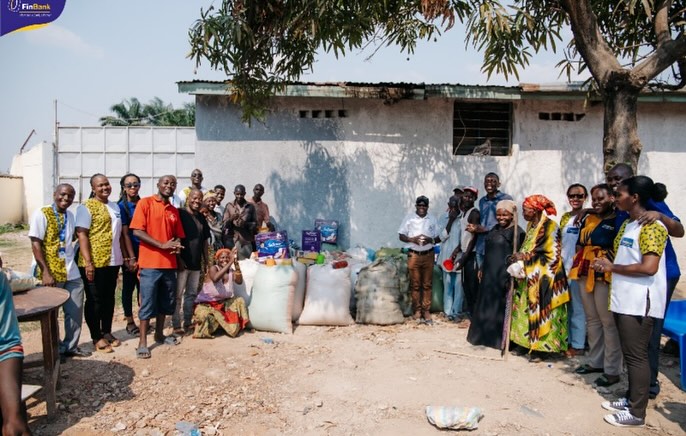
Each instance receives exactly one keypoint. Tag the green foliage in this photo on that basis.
(11, 228)
(261, 45)
(154, 113)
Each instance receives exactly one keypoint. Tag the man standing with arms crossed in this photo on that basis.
(158, 226)
(51, 230)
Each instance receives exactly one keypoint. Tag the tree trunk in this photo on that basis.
(620, 128)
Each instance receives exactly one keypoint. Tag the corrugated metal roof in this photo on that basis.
(420, 91)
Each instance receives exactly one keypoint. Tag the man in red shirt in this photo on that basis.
(158, 226)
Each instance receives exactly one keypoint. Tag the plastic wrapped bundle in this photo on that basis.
(377, 294)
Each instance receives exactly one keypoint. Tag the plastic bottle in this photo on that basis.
(187, 428)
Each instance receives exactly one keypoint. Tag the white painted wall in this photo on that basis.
(12, 199)
(366, 170)
(35, 166)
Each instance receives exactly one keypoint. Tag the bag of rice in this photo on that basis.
(327, 301)
(271, 306)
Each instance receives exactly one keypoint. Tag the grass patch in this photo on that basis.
(11, 228)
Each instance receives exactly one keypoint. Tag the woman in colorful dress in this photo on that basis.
(216, 305)
(488, 317)
(638, 295)
(539, 316)
(99, 230)
(596, 238)
(576, 195)
(128, 198)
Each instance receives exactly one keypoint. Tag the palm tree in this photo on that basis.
(154, 113)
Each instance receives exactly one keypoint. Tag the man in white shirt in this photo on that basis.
(419, 232)
(51, 230)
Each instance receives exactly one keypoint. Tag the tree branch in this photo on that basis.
(662, 33)
(665, 55)
(590, 43)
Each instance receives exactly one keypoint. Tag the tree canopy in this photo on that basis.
(625, 44)
(156, 112)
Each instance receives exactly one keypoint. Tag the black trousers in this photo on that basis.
(470, 283)
(634, 336)
(99, 307)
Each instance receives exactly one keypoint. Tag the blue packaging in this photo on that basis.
(312, 241)
(272, 244)
(328, 230)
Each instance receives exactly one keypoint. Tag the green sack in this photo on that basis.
(437, 290)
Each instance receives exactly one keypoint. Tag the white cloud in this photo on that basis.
(57, 36)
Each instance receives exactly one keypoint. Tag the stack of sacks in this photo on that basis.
(400, 260)
(271, 306)
(249, 269)
(328, 296)
(378, 294)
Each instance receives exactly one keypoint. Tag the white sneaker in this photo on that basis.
(624, 419)
(620, 405)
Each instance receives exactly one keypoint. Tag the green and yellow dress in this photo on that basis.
(539, 314)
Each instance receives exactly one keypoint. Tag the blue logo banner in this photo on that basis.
(28, 15)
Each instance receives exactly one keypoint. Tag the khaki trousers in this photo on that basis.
(421, 268)
(603, 337)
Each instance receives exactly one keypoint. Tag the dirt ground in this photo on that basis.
(327, 380)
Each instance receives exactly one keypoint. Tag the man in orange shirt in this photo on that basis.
(158, 226)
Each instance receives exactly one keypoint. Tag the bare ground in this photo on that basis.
(328, 380)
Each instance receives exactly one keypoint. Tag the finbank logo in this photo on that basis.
(28, 15)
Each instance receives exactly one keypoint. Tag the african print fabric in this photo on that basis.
(51, 245)
(539, 316)
(231, 315)
(99, 234)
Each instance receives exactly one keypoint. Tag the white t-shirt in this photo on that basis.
(570, 236)
(83, 219)
(38, 226)
(414, 225)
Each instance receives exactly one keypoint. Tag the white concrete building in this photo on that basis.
(361, 153)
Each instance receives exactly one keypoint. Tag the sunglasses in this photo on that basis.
(132, 185)
(577, 196)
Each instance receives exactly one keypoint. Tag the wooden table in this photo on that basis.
(42, 304)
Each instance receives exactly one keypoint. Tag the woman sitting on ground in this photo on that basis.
(596, 238)
(216, 305)
(489, 311)
(539, 316)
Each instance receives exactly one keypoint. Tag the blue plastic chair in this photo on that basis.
(675, 328)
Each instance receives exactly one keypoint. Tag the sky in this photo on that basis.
(98, 53)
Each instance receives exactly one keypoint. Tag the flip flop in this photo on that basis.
(143, 353)
(112, 340)
(104, 349)
(587, 369)
(132, 329)
(168, 340)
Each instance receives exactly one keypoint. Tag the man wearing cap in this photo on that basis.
(419, 232)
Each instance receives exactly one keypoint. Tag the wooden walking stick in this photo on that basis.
(510, 296)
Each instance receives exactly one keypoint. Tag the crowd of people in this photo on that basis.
(596, 284)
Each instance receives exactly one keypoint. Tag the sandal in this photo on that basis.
(587, 369)
(143, 353)
(111, 339)
(132, 329)
(103, 348)
(168, 340)
(606, 380)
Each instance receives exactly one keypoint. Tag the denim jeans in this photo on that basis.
(453, 293)
(577, 317)
(186, 291)
(73, 314)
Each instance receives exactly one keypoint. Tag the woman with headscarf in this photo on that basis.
(539, 315)
(488, 316)
(216, 306)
